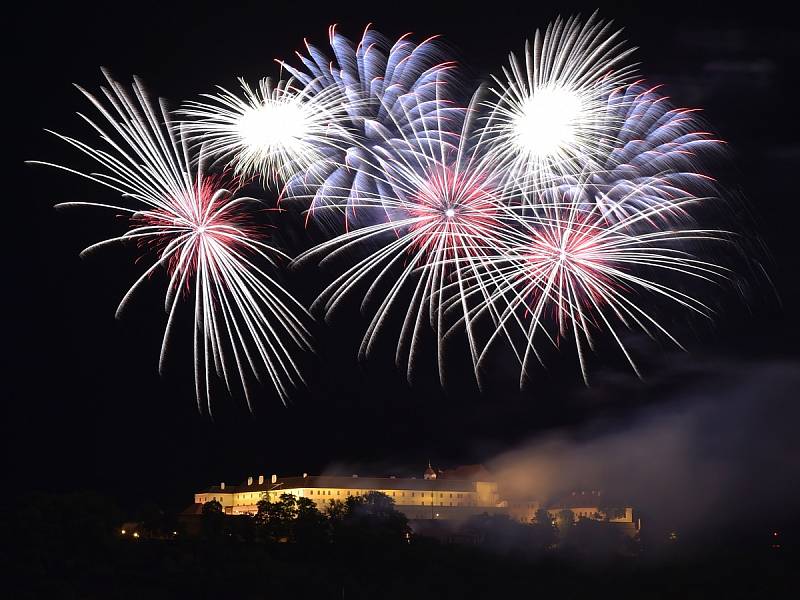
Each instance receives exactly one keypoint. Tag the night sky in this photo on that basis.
(85, 407)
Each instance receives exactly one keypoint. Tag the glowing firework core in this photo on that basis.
(546, 124)
(272, 126)
(451, 210)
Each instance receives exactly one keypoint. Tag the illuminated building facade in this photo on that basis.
(432, 496)
(447, 495)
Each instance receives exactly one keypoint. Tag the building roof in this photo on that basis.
(468, 472)
(350, 483)
(194, 509)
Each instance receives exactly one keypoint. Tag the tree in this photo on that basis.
(371, 518)
(542, 517)
(596, 539)
(152, 520)
(564, 521)
(309, 527)
(275, 519)
(212, 520)
(608, 512)
(545, 534)
(335, 510)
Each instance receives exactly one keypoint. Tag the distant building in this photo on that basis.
(593, 504)
(451, 495)
(435, 496)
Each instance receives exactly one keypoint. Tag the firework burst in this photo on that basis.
(394, 93)
(245, 323)
(572, 272)
(564, 205)
(655, 157)
(549, 117)
(272, 132)
(438, 211)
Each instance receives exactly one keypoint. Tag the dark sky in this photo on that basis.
(86, 408)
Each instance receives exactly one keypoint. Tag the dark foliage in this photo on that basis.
(70, 547)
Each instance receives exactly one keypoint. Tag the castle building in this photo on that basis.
(432, 497)
(447, 495)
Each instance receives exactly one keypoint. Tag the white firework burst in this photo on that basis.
(273, 131)
(549, 117)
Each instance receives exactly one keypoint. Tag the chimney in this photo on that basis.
(260, 480)
(222, 485)
(274, 478)
(249, 481)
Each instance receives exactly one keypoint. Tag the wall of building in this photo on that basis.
(486, 497)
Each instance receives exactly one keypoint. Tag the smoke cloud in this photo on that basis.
(722, 449)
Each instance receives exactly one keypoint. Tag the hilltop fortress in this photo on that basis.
(451, 495)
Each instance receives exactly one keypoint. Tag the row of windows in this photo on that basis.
(251, 498)
(392, 493)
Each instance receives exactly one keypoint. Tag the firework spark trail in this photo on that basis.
(245, 323)
(654, 158)
(439, 202)
(550, 210)
(377, 78)
(550, 116)
(571, 271)
(274, 131)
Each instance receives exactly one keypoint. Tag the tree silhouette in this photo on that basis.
(309, 527)
(275, 519)
(545, 533)
(564, 521)
(213, 520)
(371, 518)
